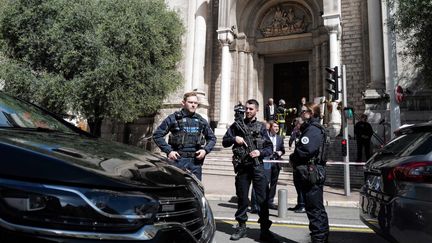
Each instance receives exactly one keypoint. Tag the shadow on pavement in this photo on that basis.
(253, 234)
(227, 205)
(355, 237)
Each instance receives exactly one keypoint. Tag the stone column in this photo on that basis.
(390, 67)
(242, 69)
(376, 54)
(199, 50)
(226, 37)
(251, 76)
(190, 39)
(260, 90)
(374, 93)
(199, 44)
(332, 19)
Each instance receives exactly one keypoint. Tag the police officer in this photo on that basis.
(250, 169)
(191, 138)
(305, 161)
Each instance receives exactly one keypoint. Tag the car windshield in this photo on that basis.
(419, 143)
(18, 114)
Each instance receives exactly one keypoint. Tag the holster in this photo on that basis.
(312, 174)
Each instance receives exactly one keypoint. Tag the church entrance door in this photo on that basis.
(291, 82)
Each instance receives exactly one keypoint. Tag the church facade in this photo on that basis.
(234, 50)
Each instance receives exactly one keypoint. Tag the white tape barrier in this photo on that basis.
(287, 161)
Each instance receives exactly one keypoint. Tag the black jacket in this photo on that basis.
(308, 143)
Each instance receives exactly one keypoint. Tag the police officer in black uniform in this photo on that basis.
(305, 160)
(191, 138)
(250, 169)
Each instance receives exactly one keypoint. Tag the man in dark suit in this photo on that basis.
(269, 110)
(271, 170)
(363, 133)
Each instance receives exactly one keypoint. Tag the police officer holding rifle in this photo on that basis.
(250, 144)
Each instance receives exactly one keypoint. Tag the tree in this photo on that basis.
(413, 23)
(102, 59)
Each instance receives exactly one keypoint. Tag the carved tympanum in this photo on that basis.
(283, 21)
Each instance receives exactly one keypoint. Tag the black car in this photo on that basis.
(60, 184)
(396, 198)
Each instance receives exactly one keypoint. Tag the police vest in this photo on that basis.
(186, 132)
(255, 130)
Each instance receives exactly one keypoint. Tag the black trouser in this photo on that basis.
(272, 176)
(360, 144)
(298, 187)
(273, 179)
(318, 220)
(255, 175)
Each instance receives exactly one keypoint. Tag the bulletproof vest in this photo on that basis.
(241, 153)
(255, 131)
(186, 132)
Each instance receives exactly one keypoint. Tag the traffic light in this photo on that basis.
(344, 147)
(334, 82)
(349, 112)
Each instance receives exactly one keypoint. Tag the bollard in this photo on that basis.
(282, 202)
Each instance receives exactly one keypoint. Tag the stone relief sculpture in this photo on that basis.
(283, 22)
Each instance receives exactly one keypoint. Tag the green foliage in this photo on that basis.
(104, 59)
(413, 23)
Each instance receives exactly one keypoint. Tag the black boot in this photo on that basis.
(240, 232)
(300, 210)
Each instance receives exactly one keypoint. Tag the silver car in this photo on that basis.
(396, 198)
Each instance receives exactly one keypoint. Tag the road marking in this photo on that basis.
(299, 226)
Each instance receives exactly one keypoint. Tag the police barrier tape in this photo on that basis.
(287, 161)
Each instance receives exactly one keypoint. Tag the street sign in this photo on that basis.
(399, 94)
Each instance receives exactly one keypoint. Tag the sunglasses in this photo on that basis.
(303, 111)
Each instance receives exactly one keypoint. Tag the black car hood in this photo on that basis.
(78, 159)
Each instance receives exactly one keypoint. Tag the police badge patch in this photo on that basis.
(305, 140)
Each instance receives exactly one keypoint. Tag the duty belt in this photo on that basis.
(186, 154)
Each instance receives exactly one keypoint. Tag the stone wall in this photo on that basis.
(137, 133)
(355, 50)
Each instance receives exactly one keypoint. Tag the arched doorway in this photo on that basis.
(290, 82)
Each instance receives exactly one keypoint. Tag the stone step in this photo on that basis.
(230, 172)
(335, 173)
(332, 179)
(218, 162)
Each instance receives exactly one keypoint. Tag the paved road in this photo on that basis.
(292, 233)
(345, 225)
(338, 216)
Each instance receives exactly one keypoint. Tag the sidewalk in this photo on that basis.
(342, 210)
(222, 188)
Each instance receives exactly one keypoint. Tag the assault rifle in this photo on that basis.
(241, 154)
